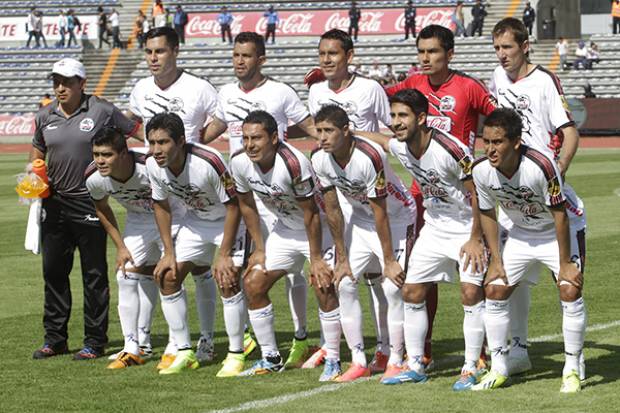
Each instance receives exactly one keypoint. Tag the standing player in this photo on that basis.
(456, 100)
(197, 175)
(382, 225)
(537, 96)
(528, 187)
(367, 106)
(451, 236)
(255, 91)
(283, 179)
(171, 89)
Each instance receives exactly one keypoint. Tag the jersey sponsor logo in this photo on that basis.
(87, 124)
(447, 103)
(443, 123)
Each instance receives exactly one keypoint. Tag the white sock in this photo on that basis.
(234, 320)
(262, 321)
(206, 292)
(379, 314)
(395, 316)
(128, 308)
(574, 321)
(519, 315)
(149, 294)
(174, 307)
(416, 326)
(171, 348)
(351, 319)
(297, 292)
(473, 332)
(330, 325)
(497, 324)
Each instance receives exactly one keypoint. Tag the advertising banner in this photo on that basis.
(14, 29)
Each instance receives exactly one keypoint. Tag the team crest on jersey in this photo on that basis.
(554, 189)
(175, 105)
(380, 185)
(348, 106)
(302, 187)
(227, 181)
(447, 103)
(525, 193)
(466, 165)
(523, 102)
(87, 124)
(564, 103)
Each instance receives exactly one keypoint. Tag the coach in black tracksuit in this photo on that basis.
(68, 220)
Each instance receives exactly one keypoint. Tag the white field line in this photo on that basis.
(285, 398)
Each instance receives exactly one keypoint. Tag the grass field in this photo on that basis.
(61, 384)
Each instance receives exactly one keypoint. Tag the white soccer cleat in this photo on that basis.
(519, 365)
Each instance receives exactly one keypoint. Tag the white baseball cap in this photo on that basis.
(68, 67)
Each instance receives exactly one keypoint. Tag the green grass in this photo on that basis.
(60, 384)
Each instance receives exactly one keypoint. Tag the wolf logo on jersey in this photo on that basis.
(140, 198)
(245, 106)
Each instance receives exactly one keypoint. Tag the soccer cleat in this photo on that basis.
(571, 383)
(406, 376)
(331, 370)
(205, 351)
(263, 366)
(146, 352)
(88, 353)
(49, 351)
(519, 365)
(354, 372)
(166, 361)
(125, 360)
(249, 344)
(232, 365)
(379, 363)
(297, 355)
(392, 370)
(470, 377)
(316, 359)
(184, 360)
(490, 381)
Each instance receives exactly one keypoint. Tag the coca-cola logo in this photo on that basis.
(370, 21)
(16, 125)
(205, 25)
(295, 23)
(442, 17)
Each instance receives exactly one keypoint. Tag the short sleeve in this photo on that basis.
(481, 98)
(239, 175)
(38, 141)
(134, 104)
(464, 165)
(95, 190)
(317, 164)
(313, 105)
(559, 113)
(372, 172)
(210, 99)
(159, 191)
(553, 189)
(382, 106)
(122, 122)
(219, 108)
(486, 201)
(294, 108)
(220, 179)
(393, 147)
(303, 187)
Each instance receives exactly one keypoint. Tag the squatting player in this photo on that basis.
(527, 185)
(283, 179)
(382, 225)
(537, 96)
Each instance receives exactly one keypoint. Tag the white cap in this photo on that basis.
(68, 68)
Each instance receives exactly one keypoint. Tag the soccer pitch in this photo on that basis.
(60, 384)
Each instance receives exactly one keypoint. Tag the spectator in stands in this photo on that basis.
(375, 71)
(387, 74)
(478, 12)
(45, 100)
(459, 19)
(581, 62)
(116, 30)
(562, 47)
(529, 16)
(615, 16)
(410, 15)
(180, 21)
(62, 28)
(102, 26)
(225, 19)
(30, 27)
(413, 70)
(158, 14)
(594, 55)
(38, 28)
(354, 19)
(72, 23)
(272, 20)
(401, 76)
(139, 23)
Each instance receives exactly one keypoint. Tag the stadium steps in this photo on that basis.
(96, 61)
(500, 9)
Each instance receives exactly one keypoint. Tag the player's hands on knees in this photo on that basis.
(225, 272)
(394, 272)
(473, 253)
(167, 263)
(123, 256)
(570, 274)
(323, 275)
(342, 270)
(256, 262)
(496, 271)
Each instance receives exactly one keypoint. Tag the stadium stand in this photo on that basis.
(48, 7)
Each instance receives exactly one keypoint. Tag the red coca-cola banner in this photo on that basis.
(317, 22)
(16, 125)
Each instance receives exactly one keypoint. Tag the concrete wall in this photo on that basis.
(566, 15)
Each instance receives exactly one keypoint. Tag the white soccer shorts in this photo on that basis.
(143, 241)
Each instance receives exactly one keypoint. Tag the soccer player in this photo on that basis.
(121, 174)
(456, 100)
(382, 225)
(450, 237)
(171, 89)
(283, 179)
(367, 106)
(527, 185)
(537, 96)
(198, 176)
(255, 91)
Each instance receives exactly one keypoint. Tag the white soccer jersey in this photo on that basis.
(134, 194)
(277, 98)
(192, 98)
(366, 175)
(527, 195)
(364, 100)
(539, 99)
(204, 185)
(440, 171)
(290, 178)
